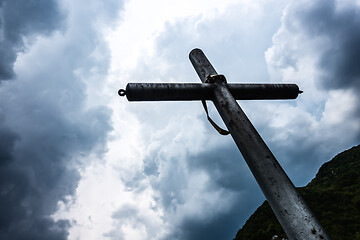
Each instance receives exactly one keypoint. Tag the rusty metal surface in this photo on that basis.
(204, 91)
(291, 210)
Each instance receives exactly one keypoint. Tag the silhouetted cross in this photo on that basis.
(291, 210)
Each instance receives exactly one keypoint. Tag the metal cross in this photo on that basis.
(291, 210)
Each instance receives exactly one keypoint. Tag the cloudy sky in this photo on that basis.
(79, 162)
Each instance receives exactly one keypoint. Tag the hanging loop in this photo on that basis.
(213, 79)
(122, 92)
(219, 129)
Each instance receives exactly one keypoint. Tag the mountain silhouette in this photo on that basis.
(333, 195)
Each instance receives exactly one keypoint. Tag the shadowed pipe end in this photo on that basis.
(300, 92)
(195, 51)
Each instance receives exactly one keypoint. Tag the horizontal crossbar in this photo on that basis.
(204, 91)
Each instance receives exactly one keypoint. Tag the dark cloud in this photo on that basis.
(223, 225)
(39, 165)
(327, 34)
(7, 142)
(47, 128)
(20, 20)
(225, 166)
(337, 24)
(229, 174)
(230, 189)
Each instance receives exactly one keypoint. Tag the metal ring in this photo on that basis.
(122, 92)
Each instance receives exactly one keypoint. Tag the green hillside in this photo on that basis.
(333, 195)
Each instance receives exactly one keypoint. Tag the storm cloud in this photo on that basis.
(48, 126)
(20, 22)
(316, 47)
(79, 162)
(336, 26)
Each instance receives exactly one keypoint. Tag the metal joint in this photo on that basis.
(215, 78)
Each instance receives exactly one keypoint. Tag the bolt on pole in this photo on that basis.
(291, 210)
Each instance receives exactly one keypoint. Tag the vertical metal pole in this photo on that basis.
(291, 210)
